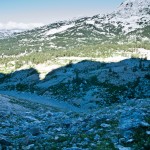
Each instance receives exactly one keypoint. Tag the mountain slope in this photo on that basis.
(86, 84)
(133, 14)
(130, 20)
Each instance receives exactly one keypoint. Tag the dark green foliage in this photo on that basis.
(22, 87)
(147, 76)
(94, 80)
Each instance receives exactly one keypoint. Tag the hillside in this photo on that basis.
(84, 106)
(84, 83)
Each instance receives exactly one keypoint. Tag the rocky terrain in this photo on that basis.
(84, 105)
(26, 125)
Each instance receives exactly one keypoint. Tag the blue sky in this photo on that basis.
(47, 11)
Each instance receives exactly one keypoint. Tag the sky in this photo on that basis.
(32, 13)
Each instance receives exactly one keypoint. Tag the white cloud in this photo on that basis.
(19, 26)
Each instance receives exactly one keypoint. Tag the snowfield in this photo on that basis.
(60, 29)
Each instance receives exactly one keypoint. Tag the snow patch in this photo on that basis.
(90, 22)
(58, 30)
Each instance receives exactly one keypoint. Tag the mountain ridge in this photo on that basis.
(125, 24)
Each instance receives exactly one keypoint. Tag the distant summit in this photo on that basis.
(134, 8)
(8, 33)
(8, 29)
(133, 14)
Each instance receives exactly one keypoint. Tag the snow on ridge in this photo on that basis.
(132, 7)
(90, 22)
(60, 29)
(130, 13)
